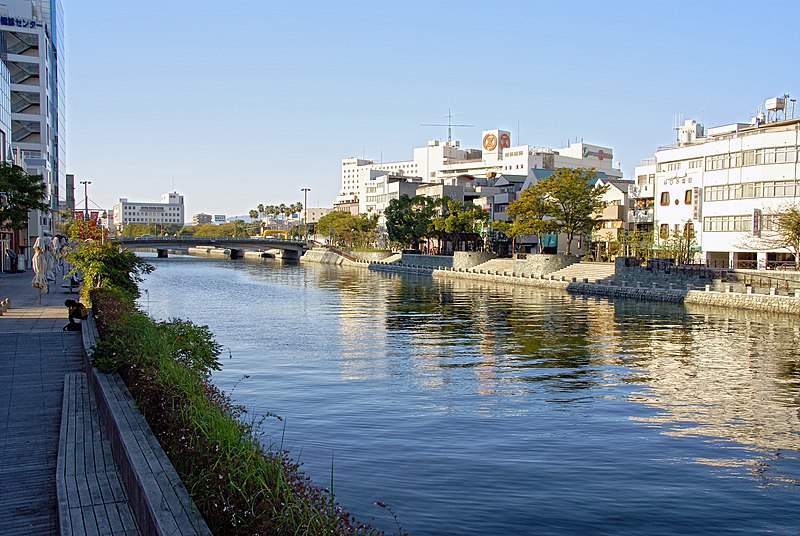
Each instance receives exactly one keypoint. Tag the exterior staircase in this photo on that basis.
(497, 265)
(593, 271)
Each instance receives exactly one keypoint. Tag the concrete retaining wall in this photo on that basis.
(371, 256)
(536, 264)
(654, 291)
(216, 252)
(477, 275)
(322, 256)
(427, 261)
(647, 277)
(259, 255)
(737, 300)
(468, 259)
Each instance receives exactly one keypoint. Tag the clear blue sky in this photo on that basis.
(246, 102)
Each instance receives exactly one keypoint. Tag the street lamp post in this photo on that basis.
(86, 199)
(305, 210)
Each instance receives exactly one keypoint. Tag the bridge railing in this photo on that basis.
(209, 239)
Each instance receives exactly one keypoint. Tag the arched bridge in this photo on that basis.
(290, 249)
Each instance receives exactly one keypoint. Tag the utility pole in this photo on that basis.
(86, 199)
(305, 210)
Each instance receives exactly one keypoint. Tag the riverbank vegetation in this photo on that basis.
(240, 486)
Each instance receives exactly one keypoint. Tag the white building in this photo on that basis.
(168, 212)
(444, 162)
(33, 32)
(641, 215)
(8, 237)
(724, 185)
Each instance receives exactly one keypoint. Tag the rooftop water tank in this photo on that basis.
(775, 104)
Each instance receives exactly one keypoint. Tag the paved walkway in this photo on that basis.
(35, 355)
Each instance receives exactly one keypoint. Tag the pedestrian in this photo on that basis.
(77, 310)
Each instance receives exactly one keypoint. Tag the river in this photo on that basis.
(482, 409)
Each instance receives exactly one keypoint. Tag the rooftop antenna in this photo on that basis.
(449, 125)
(677, 123)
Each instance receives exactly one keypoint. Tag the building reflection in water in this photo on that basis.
(715, 373)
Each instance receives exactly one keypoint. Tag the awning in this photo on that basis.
(550, 240)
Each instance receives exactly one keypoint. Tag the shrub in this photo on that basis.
(239, 487)
(108, 266)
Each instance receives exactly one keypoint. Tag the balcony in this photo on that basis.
(640, 215)
(612, 234)
(613, 213)
(636, 191)
(503, 198)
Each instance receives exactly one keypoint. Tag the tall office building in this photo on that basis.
(33, 31)
(8, 236)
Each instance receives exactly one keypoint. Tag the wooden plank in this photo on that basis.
(167, 504)
(65, 482)
(92, 502)
(147, 474)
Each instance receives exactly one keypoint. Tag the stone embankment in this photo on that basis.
(585, 279)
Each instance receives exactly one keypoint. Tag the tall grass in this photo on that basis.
(239, 485)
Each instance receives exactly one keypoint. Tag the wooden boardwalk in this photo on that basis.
(35, 357)
(32, 369)
(91, 496)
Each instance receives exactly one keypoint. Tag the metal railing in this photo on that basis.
(759, 279)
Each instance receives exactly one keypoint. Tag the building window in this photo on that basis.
(687, 197)
(664, 199)
(728, 223)
(663, 231)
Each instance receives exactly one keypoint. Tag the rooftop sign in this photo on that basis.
(599, 154)
(19, 23)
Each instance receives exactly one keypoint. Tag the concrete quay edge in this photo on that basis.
(756, 302)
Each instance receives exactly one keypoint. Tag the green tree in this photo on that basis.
(459, 220)
(780, 229)
(409, 219)
(81, 229)
(19, 193)
(787, 229)
(637, 243)
(347, 229)
(108, 265)
(571, 201)
(253, 214)
(528, 215)
(678, 245)
(138, 229)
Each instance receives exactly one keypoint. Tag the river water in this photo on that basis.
(474, 408)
